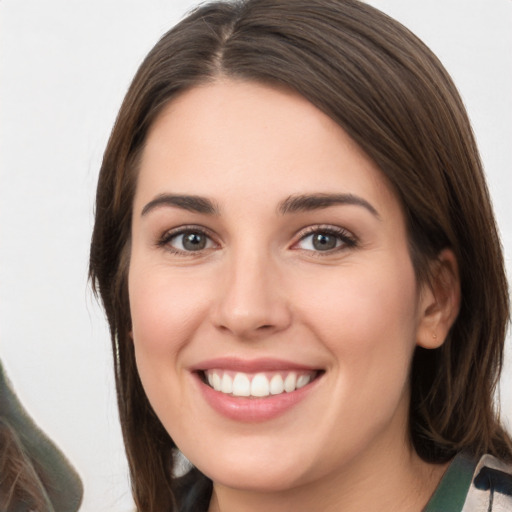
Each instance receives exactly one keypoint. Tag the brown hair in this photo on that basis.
(34, 474)
(19, 481)
(387, 90)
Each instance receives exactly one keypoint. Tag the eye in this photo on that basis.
(319, 239)
(187, 240)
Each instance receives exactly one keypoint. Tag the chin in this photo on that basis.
(256, 477)
(262, 465)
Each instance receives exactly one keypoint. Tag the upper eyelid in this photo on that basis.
(173, 232)
(347, 236)
(299, 235)
(187, 227)
(330, 228)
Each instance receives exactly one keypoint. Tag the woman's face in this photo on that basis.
(270, 260)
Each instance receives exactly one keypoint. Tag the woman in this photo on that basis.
(296, 251)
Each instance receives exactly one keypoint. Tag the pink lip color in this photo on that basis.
(251, 410)
(250, 366)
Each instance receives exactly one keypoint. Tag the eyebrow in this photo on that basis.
(309, 202)
(195, 204)
(292, 204)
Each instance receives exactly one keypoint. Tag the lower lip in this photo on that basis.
(252, 410)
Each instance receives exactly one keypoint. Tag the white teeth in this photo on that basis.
(241, 385)
(290, 382)
(303, 380)
(216, 382)
(259, 384)
(226, 384)
(276, 384)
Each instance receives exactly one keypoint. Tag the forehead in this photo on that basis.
(237, 139)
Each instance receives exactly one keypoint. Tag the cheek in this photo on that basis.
(165, 310)
(367, 317)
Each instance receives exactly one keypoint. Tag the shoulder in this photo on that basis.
(491, 486)
(474, 485)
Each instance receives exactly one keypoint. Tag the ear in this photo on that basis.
(439, 301)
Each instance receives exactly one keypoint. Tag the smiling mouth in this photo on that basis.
(257, 385)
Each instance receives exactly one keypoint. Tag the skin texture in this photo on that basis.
(260, 288)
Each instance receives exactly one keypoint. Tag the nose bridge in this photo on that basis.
(251, 300)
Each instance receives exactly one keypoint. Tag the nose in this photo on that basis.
(252, 301)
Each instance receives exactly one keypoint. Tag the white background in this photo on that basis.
(64, 68)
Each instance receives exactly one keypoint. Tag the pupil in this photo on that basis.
(194, 242)
(323, 242)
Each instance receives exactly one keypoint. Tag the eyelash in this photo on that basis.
(164, 241)
(346, 239)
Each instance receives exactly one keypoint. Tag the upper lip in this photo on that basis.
(250, 365)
